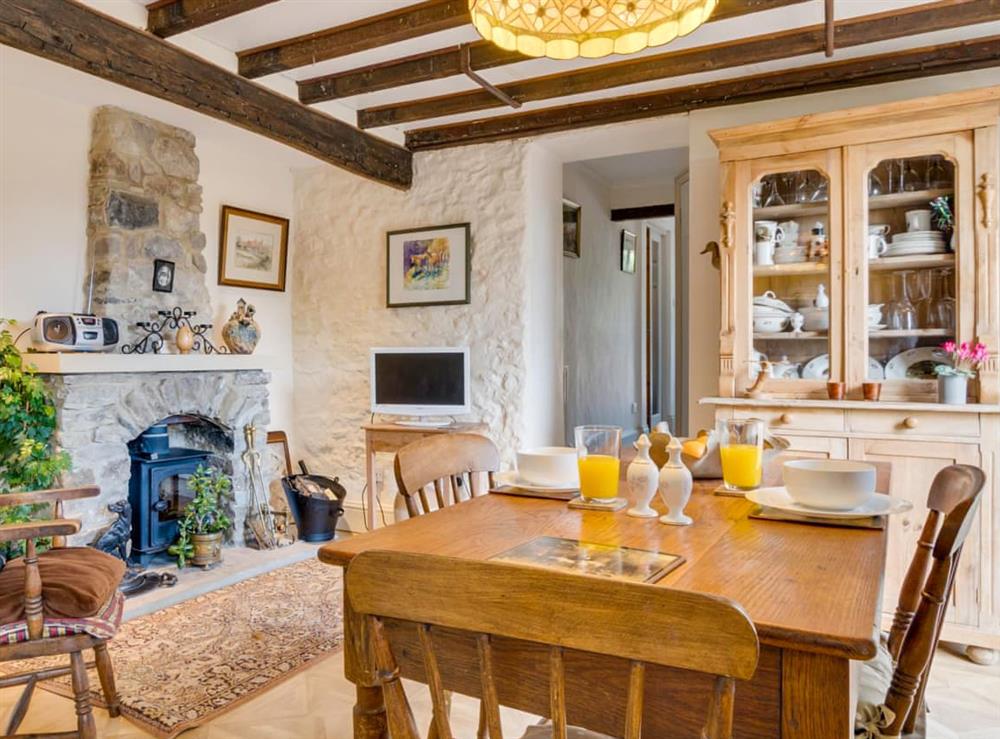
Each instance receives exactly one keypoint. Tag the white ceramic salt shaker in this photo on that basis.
(642, 477)
(675, 487)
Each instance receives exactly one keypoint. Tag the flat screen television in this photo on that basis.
(420, 381)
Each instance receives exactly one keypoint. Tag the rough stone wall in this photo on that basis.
(98, 414)
(339, 287)
(145, 204)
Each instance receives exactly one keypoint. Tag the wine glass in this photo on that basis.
(773, 196)
(920, 289)
(802, 194)
(910, 180)
(822, 192)
(875, 186)
(936, 175)
(900, 313)
(942, 308)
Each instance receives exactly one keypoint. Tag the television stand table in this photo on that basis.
(388, 438)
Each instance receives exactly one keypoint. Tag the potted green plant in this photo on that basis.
(28, 457)
(204, 522)
(953, 379)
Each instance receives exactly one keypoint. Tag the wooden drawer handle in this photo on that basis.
(785, 418)
(910, 422)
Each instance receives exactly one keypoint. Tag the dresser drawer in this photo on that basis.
(945, 425)
(795, 419)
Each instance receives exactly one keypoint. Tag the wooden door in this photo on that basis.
(913, 465)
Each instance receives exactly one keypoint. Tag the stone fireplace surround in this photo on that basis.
(98, 413)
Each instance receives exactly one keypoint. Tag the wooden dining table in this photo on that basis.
(813, 593)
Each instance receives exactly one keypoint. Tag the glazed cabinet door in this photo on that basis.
(911, 254)
(912, 466)
(782, 273)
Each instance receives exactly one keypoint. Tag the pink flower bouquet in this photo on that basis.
(966, 359)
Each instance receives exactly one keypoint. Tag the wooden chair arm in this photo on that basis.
(53, 495)
(38, 529)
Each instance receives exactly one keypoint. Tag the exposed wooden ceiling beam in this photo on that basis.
(73, 34)
(754, 50)
(871, 70)
(367, 33)
(168, 17)
(435, 65)
(642, 212)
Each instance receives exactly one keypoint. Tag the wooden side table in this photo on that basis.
(390, 438)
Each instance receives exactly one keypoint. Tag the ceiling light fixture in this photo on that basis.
(566, 29)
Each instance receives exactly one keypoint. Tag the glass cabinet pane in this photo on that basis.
(791, 275)
(911, 266)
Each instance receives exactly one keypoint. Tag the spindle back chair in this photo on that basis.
(643, 624)
(38, 643)
(451, 467)
(923, 599)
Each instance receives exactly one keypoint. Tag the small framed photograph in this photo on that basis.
(628, 252)
(253, 249)
(571, 228)
(428, 266)
(163, 276)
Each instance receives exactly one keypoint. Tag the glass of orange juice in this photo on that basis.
(741, 446)
(598, 449)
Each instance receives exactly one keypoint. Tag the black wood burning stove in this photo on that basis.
(158, 490)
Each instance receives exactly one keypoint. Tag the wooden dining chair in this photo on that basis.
(448, 467)
(952, 505)
(566, 614)
(61, 601)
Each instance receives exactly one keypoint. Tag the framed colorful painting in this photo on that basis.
(253, 249)
(428, 266)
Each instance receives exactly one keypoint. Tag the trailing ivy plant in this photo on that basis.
(205, 513)
(28, 458)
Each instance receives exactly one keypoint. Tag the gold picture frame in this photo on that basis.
(253, 249)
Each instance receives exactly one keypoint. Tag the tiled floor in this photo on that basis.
(317, 703)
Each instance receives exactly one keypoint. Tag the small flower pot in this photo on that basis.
(207, 549)
(952, 389)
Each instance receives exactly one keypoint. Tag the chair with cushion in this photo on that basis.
(60, 601)
(445, 468)
(891, 686)
(508, 609)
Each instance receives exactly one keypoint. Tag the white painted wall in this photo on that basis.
(339, 299)
(45, 125)
(602, 316)
(702, 280)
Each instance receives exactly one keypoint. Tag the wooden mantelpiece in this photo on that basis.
(953, 141)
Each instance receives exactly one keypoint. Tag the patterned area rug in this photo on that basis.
(190, 663)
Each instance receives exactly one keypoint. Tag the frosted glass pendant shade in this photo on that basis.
(566, 29)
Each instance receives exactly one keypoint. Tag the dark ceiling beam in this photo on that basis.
(435, 65)
(871, 70)
(642, 212)
(754, 50)
(409, 22)
(73, 34)
(169, 17)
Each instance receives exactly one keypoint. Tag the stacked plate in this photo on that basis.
(913, 243)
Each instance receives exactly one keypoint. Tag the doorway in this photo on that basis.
(619, 288)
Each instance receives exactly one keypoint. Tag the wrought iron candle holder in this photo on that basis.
(173, 320)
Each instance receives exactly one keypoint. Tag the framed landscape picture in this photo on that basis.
(571, 228)
(253, 249)
(428, 266)
(628, 251)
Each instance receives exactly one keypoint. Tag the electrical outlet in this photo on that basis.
(379, 480)
(635, 407)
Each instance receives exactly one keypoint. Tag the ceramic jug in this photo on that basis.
(642, 477)
(675, 487)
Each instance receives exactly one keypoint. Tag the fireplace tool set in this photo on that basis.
(260, 529)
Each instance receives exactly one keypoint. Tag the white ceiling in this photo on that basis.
(652, 167)
(288, 18)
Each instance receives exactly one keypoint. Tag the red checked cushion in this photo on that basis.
(77, 582)
(102, 625)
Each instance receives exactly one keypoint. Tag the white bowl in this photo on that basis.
(829, 484)
(769, 324)
(549, 465)
(816, 319)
